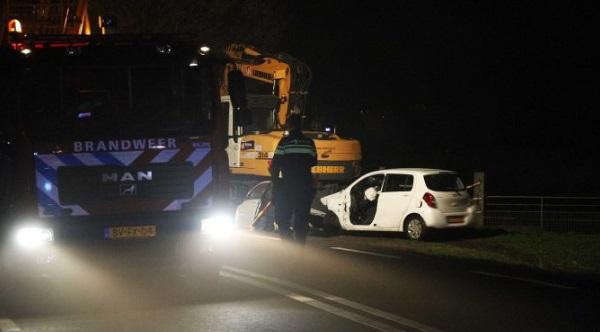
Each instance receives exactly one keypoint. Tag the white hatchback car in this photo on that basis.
(410, 200)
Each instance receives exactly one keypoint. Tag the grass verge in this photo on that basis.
(572, 253)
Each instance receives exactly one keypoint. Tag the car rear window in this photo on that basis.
(444, 182)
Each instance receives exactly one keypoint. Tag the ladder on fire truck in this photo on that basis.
(44, 17)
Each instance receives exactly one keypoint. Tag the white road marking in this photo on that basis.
(7, 325)
(340, 300)
(534, 281)
(313, 303)
(370, 253)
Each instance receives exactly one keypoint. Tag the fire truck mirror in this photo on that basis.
(237, 92)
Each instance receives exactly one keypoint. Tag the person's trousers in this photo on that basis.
(296, 207)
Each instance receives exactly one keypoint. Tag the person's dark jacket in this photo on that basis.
(292, 161)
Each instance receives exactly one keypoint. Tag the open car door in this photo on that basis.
(251, 205)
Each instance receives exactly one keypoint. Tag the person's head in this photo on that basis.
(294, 123)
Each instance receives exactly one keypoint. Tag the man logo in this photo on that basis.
(126, 177)
(127, 189)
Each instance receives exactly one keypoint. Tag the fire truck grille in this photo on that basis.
(86, 184)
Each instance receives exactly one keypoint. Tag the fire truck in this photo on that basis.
(114, 136)
(117, 126)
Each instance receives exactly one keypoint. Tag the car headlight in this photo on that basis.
(34, 236)
(218, 226)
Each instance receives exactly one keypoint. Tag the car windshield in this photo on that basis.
(444, 182)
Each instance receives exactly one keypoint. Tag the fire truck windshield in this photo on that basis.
(88, 100)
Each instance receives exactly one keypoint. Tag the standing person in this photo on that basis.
(292, 181)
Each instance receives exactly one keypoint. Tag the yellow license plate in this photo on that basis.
(130, 232)
(328, 169)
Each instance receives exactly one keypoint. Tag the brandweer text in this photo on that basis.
(124, 145)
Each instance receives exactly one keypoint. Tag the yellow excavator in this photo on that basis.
(277, 86)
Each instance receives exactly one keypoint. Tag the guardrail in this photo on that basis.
(547, 213)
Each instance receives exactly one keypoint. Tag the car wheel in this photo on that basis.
(415, 228)
(331, 224)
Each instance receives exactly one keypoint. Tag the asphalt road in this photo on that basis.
(332, 284)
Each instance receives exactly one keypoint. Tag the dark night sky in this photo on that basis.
(504, 88)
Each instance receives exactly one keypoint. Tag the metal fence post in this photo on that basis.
(542, 213)
(479, 196)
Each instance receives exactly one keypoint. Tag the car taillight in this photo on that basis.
(430, 200)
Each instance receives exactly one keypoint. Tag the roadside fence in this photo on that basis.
(547, 213)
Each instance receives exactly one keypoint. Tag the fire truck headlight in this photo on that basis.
(219, 226)
(33, 236)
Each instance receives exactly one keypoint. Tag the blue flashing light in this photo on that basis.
(84, 115)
